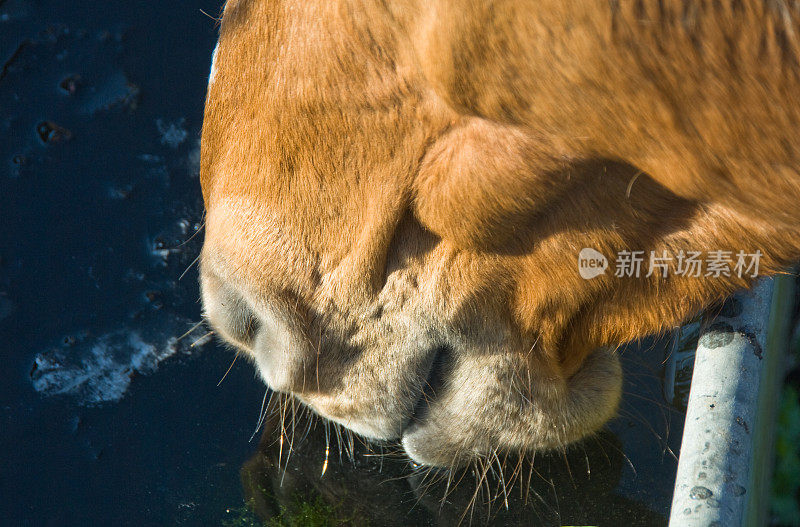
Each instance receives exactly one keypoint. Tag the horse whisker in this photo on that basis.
(229, 368)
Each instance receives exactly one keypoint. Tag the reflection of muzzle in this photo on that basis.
(591, 263)
(384, 490)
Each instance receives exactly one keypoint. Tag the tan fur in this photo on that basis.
(383, 180)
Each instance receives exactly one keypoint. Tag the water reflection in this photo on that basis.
(371, 485)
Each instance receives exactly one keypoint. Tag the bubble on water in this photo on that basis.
(70, 84)
(50, 132)
(172, 240)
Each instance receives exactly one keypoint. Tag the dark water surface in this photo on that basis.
(106, 418)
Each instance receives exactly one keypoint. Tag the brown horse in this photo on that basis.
(435, 221)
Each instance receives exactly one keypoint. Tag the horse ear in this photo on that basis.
(479, 180)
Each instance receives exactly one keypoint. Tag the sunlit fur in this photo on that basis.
(385, 180)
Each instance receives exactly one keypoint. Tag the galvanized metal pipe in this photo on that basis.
(725, 462)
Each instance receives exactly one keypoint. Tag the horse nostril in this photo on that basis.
(241, 323)
(250, 329)
(230, 313)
